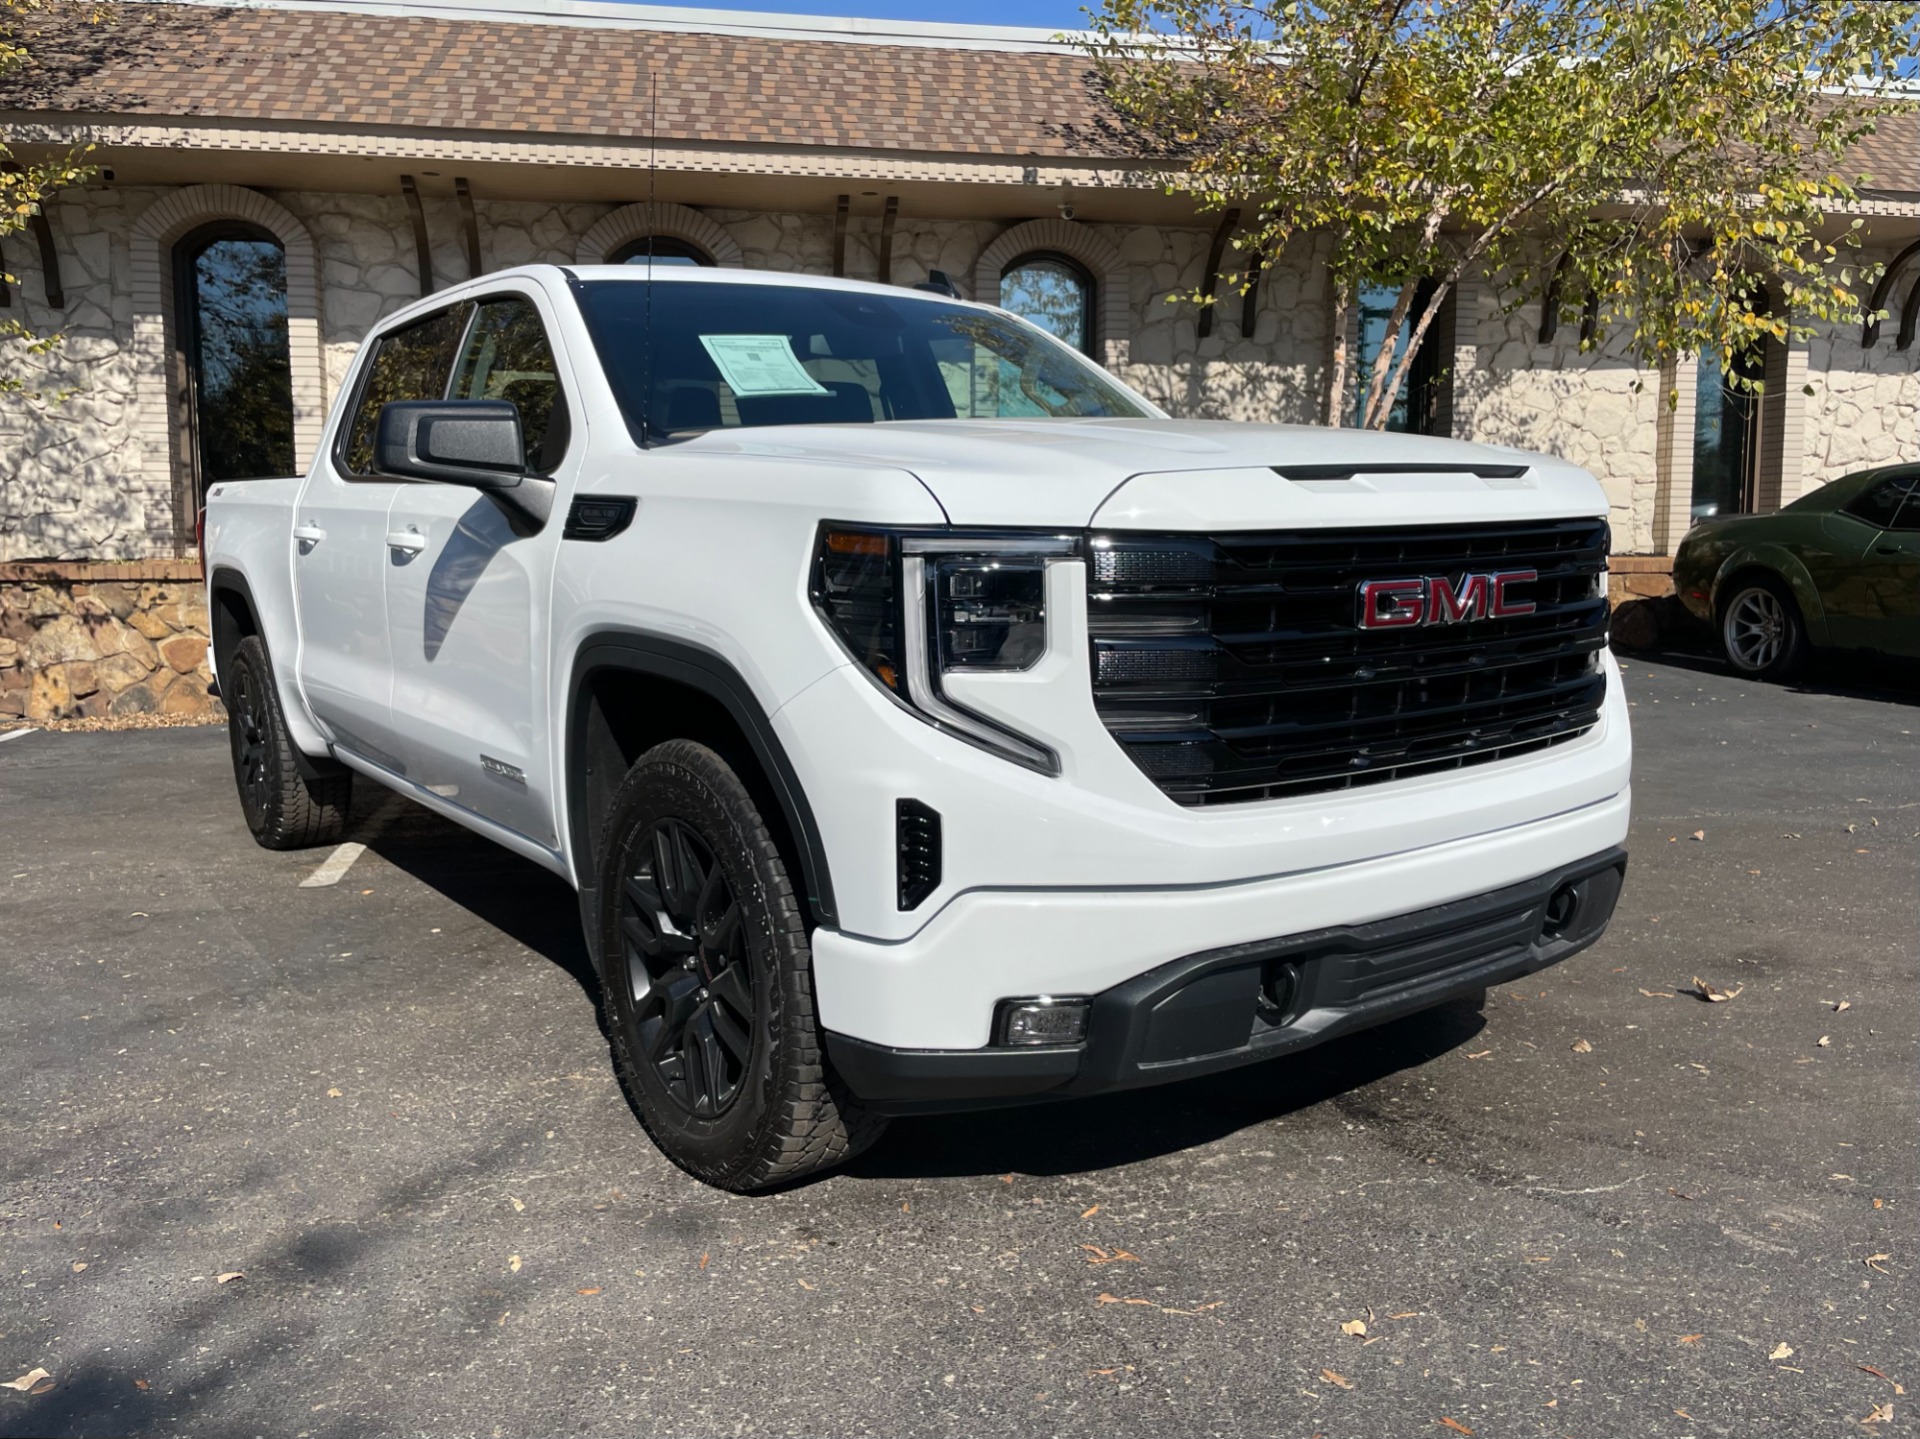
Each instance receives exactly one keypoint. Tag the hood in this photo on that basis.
(1184, 474)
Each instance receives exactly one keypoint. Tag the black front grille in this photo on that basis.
(1233, 667)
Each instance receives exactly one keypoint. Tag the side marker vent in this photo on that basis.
(599, 517)
(917, 851)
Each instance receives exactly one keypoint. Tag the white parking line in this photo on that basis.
(15, 734)
(335, 865)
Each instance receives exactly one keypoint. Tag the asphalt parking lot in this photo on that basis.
(1604, 1208)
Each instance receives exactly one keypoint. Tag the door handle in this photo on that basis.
(309, 534)
(409, 541)
(1890, 549)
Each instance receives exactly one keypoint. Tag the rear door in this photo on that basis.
(340, 544)
(1875, 601)
(467, 602)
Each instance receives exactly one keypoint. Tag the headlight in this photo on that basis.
(912, 606)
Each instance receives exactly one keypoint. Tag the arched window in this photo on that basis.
(666, 251)
(1055, 293)
(230, 287)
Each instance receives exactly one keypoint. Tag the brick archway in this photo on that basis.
(632, 222)
(1067, 237)
(169, 507)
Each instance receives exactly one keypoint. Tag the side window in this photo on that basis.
(408, 364)
(1880, 505)
(507, 357)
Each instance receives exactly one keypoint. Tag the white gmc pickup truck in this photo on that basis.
(924, 718)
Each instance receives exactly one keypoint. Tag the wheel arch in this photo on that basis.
(1778, 563)
(629, 691)
(234, 615)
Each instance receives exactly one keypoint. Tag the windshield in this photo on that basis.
(719, 356)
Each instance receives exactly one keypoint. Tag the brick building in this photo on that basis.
(295, 170)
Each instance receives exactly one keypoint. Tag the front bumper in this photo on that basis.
(1206, 1012)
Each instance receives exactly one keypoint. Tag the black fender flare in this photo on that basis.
(714, 676)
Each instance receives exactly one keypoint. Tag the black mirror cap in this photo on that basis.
(454, 442)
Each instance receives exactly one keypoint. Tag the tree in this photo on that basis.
(23, 188)
(1669, 165)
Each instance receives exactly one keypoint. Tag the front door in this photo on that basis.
(341, 531)
(468, 590)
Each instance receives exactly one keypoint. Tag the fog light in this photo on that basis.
(1280, 990)
(1042, 1021)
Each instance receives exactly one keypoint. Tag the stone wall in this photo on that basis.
(92, 641)
(68, 467)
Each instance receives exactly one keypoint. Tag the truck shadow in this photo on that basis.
(1079, 1135)
(538, 910)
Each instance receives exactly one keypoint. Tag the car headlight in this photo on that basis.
(913, 606)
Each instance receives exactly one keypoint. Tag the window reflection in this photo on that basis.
(235, 310)
(1054, 293)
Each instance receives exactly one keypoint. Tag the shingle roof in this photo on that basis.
(384, 72)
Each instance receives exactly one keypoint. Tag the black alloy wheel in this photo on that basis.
(289, 800)
(706, 977)
(689, 977)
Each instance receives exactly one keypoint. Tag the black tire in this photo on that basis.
(1761, 632)
(283, 808)
(707, 979)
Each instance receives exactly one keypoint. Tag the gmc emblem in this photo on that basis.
(1435, 600)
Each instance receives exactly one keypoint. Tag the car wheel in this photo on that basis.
(283, 808)
(1761, 632)
(707, 980)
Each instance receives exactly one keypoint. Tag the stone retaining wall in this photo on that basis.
(88, 641)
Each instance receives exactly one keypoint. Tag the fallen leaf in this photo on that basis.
(1712, 995)
(79, 1266)
(1089, 1213)
(1699, 834)
(1691, 1338)
(1824, 1040)
(1877, 1374)
(513, 1263)
(1097, 1255)
(1481, 1055)
(1340, 1379)
(26, 1382)
(229, 1276)
(518, 1207)
(1781, 1351)
(333, 1094)
(1877, 1262)
(1006, 1179)
(704, 1258)
(906, 1206)
(1843, 1006)
(1581, 1046)
(1406, 1314)
(805, 1285)
(1882, 1414)
(1678, 1195)
(1658, 993)
(586, 1291)
(141, 1384)
(1356, 1327)
(1453, 1424)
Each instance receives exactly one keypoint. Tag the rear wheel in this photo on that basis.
(707, 978)
(283, 808)
(1761, 631)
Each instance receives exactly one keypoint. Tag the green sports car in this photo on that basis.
(1837, 569)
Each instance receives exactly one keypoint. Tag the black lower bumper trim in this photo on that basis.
(1226, 1007)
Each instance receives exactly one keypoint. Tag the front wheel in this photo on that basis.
(283, 808)
(1761, 631)
(707, 979)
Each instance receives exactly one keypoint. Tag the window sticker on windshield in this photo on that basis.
(760, 365)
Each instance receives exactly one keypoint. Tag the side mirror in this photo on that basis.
(453, 442)
(476, 443)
